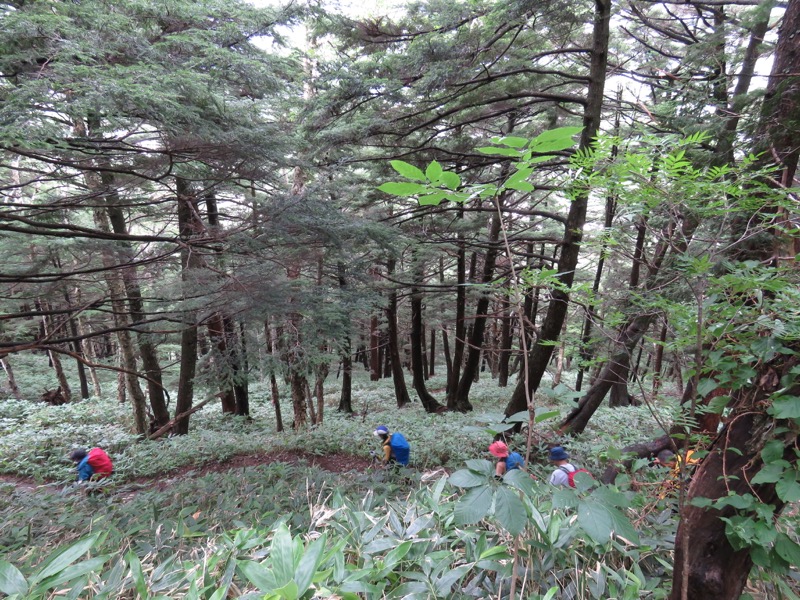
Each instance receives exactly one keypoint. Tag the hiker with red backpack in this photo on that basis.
(564, 474)
(92, 465)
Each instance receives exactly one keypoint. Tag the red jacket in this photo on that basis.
(100, 462)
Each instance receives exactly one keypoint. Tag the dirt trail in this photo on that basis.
(335, 463)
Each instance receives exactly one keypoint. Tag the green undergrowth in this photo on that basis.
(291, 531)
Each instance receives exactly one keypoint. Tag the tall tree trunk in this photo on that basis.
(55, 360)
(345, 352)
(271, 342)
(189, 226)
(506, 340)
(573, 231)
(658, 360)
(706, 564)
(461, 401)
(221, 362)
(459, 333)
(130, 280)
(432, 353)
(374, 350)
(398, 376)
(611, 209)
(429, 403)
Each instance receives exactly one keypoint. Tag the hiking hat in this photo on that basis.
(558, 453)
(498, 449)
(381, 430)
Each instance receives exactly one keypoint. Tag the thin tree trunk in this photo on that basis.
(55, 361)
(398, 376)
(659, 357)
(189, 226)
(506, 340)
(573, 231)
(345, 353)
(12, 382)
(271, 342)
(432, 354)
(374, 350)
(458, 335)
(130, 280)
(429, 403)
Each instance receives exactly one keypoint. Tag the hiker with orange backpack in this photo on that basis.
(564, 474)
(92, 465)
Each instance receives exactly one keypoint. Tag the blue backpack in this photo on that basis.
(514, 461)
(400, 448)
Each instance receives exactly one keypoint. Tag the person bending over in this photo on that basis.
(507, 460)
(396, 449)
(92, 465)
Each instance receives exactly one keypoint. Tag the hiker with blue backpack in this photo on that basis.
(507, 460)
(396, 450)
(564, 474)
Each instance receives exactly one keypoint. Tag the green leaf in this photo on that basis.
(512, 141)
(509, 510)
(498, 552)
(521, 480)
(257, 574)
(308, 564)
(787, 549)
(600, 522)
(788, 489)
(11, 580)
(61, 560)
(403, 189)
(78, 570)
(706, 386)
(520, 186)
(288, 591)
(434, 172)
(473, 506)
(281, 555)
(554, 139)
(480, 465)
(432, 199)
(464, 478)
(519, 417)
(136, 574)
(407, 170)
(773, 451)
(450, 180)
(770, 473)
(499, 151)
(544, 416)
(787, 407)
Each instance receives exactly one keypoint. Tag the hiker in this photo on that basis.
(92, 465)
(560, 459)
(396, 449)
(508, 461)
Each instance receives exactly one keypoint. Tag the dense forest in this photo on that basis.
(213, 205)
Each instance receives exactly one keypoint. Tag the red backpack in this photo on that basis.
(100, 462)
(571, 475)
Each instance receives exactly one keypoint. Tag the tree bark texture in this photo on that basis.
(189, 226)
(429, 403)
(398, 376)
(573, 232)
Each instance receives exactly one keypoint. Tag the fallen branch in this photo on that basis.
(178, 418)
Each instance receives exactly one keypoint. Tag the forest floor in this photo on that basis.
(334, 463)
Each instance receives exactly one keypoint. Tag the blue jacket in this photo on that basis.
(85, 470)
